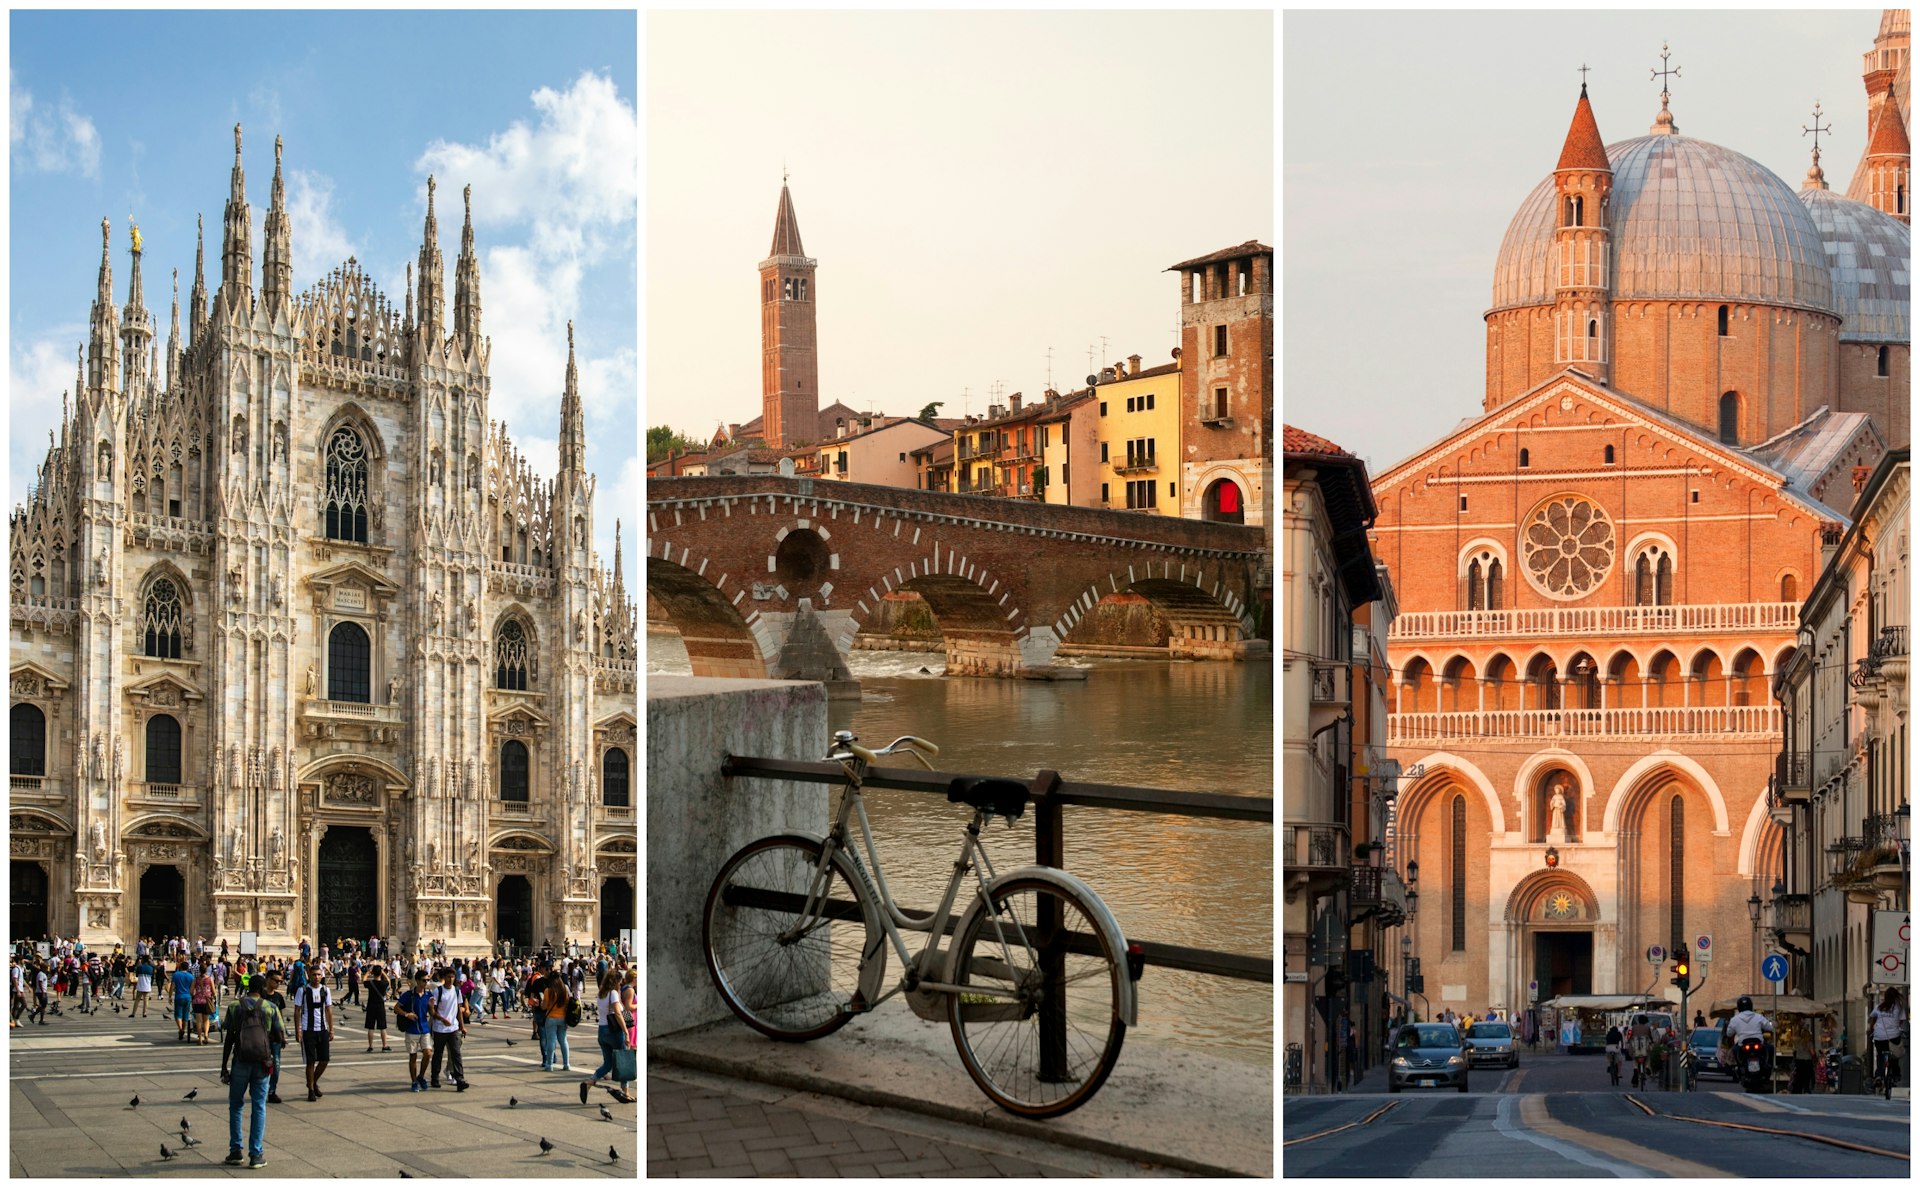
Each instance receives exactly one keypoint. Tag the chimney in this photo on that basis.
(1133, 364)
(1176, 354)
(1860, 476)
(733, 431)
(1015, 400)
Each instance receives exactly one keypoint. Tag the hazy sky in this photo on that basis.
(977, 187)
(1397, 189)
(122, 113)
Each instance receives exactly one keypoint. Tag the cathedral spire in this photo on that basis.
(236, 249)
(174, 361)
(466, 280)
(1584, 149)
(136, 326)
(433, 286)
(573, 435)
(276, 272)
(103, 333)
(619, 578)
(786, 226)
(197, 299)
(1583, 305)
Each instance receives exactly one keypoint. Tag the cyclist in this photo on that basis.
(1639, 1044)
(1889, 1024)
(1613, 1052)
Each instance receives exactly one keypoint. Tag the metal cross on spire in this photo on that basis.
(1583, 78)
(1816, 130)
(1662, 75)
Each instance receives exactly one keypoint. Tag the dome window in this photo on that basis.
(1882, 366)
(1730, 417)
(1723, 323)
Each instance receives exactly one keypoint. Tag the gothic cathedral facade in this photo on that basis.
(300, 644)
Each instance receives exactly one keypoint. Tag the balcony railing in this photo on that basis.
(1781, 617)
(1643, 723)
(32, 785)
(1319, 848)
(1330, 683)
(1134, 465)
(1792, 913)
(1377, 891)
(617, 812)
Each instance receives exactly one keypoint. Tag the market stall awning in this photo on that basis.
(1606, 1002)
(1771, 1004)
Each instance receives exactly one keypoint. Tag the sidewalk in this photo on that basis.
(69, 1084)
(1163, 1107)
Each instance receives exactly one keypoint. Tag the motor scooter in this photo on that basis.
(1753, 1064)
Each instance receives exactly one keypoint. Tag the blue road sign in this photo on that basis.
(1774, 968)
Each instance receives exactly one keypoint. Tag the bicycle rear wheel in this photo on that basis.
(787, 973)
(1043, 1029)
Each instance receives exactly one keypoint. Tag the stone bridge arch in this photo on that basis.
(1206, 618)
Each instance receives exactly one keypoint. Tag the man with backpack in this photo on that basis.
(313, 1019)
(449, 1022)
(246, 1064)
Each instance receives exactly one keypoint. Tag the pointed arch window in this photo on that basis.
(345, 495)
(1789, 588)
(513, 771)
(27, 734)
(163, 749)
(160, 621)
(349, 664)
(614, 772)
(1677, 869)
(1880, 368)
(1730, 418)
(512, 653)
(1459, 896)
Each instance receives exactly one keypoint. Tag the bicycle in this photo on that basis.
(1886, 1068)
(1037, 986)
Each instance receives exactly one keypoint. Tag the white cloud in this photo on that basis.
(319, 242)
(37, 373)
(58, 141)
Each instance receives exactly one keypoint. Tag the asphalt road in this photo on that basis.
(1558, 1115)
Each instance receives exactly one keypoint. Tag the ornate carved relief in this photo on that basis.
(351, 789)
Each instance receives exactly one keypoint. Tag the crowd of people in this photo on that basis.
(260, 1005)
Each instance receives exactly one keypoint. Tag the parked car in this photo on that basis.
(1492, 1043)
(1428, 1054)
(1705, 1042)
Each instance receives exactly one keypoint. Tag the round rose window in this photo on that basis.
(1568, 547)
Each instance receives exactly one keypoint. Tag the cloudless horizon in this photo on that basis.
(1398, 193)
(130, 114)
(978, 187)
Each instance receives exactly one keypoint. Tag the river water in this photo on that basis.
(1201, 727)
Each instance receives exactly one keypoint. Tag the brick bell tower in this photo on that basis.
(1582, 242)
(789, 362)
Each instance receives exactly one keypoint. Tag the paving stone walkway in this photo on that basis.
(703, 1125)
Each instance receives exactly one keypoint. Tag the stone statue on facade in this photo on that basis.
(393, 690)
(97, 841)
(1557, 819)
(99, 758)
(313, 681)
(276, 847)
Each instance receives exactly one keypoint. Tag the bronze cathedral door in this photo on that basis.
(349, 885)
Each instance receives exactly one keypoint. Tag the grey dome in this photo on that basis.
(1690, 221)
(1871, 256)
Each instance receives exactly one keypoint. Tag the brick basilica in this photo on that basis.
(300, 645)
(1691, 365)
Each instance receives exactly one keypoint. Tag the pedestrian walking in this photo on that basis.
(246, 1068)
(273, 994)
(142, 988)
(313, 1018)
(449, 1023)
(553, 1023)
(376, 1008)
(182, 982)
(414, 1008)
(611, 1034)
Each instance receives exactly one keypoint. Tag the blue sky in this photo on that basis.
(131, 113)
(1397, 193)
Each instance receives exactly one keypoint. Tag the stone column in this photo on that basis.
(309, 924)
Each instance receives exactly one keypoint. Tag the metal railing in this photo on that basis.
(1793, 773)
(1051, 795)
(1792, 912)
(1783, 617)
(1316, 846)
(1330, 680)
(1891, 644)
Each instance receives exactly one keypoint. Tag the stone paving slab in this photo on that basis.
(701, 1124)
(1163, 1105)
(69, 1084)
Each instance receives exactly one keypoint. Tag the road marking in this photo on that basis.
(1307, 1138)
(1816, 1138)
(1513, 1081)
(1503, 1122)
(1534, 1112)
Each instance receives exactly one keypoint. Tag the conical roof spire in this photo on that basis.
(573, 434)
(619, 579)
(466, 282)
(1889, 138)
(786, 227)
(103, 331)
(276, 272)
(433, 286)
(197, 299)
(1583, 148)
(173, 336)
(236, 250)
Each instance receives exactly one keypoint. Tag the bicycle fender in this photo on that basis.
(1103, 920)
(873, 952)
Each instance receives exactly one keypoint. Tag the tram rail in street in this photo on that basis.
(1375, 1116)
(1816, 1138)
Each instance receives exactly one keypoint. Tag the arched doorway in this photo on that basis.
(29, 903)
(514, 911)
(163, 902)
(616, 907)
(1225, 503)
(1553, 919)
(349, 884)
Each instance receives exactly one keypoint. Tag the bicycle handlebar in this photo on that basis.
(919, 748)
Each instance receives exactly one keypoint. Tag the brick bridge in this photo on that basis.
(772, 576)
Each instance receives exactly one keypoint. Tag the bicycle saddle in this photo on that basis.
(1006, 798)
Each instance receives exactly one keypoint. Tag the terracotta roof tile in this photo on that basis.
(1299, 441)
(1584, 148)
(1889, 131)
(1252, 247)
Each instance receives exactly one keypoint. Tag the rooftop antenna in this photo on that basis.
(1103, 352)
(966, 402)
(1049, 369)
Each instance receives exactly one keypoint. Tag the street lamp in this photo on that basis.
(1753, 908)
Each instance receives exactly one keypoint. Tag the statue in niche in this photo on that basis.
(276, 847)
(1557, 817)
(100, 570)
(580, 626)
(99, 757)
(97, 841)
(233, 845)
(393, 690)
(409, 848)
(276, 590)
(279, 441)
(313, 681)
(473, 614)
(433, 859)
(434, 611)
(119, 757)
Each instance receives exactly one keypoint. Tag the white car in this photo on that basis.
(1493, 1042)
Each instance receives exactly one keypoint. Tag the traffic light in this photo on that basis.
(1336, 981)
(1681, 977)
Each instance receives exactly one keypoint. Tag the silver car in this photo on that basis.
(1493, 1042)
(1427, 1054)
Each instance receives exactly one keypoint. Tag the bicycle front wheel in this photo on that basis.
(787, 971)
(1039, 1028)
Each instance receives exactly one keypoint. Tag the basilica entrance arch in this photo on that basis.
(1555, 937)
(28, 904)
(348, 875)
(163, 902)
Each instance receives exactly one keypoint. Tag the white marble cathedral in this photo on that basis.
(300, 644)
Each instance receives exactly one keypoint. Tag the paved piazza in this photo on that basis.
(69, 1083)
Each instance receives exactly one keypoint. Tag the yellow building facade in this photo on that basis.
(1138, 437)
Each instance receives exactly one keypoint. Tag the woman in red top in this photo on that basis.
(203, 992)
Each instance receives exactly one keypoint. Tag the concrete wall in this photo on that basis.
(696, 819)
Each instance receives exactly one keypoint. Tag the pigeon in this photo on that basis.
(509, 1043)
(405, 1174)
(606, 1115)
(188, 1139)
(164, 1153)
(545, 1146)
(185, 1125)
(512, 1101)
(135, 1103)
(192, 1093)
(613, 1156)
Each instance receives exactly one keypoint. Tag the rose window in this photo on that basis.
(1568, 547)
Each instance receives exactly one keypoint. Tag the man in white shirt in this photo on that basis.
(449, 1025)
(313, 1015)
